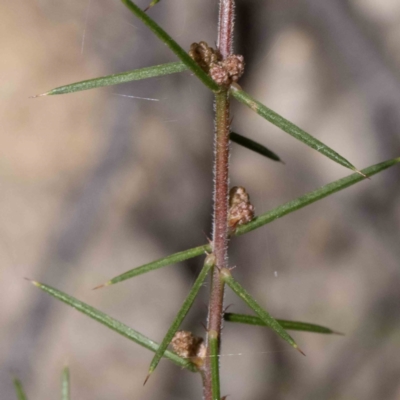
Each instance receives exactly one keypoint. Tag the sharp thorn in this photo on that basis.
(300, 351)
(338, 333)
(102, 285)
(363, 175)
(38, 95)
(147, 378)
(32, 281)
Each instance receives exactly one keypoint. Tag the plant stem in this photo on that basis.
(225, 27)
(213, 343)
(220, 215)
(220, 236)
(221, 185)
(220, 233)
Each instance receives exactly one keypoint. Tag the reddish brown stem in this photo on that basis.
(225, 27)
(220, 231)
(221, 193)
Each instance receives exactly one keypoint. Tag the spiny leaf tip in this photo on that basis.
(361, 173)
(147, 377)
(32, 281)
(102, 285)
(299, 350)
(38, 95)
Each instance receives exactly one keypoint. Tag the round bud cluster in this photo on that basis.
(223, 72)
(227, 71)
(186, 345)
(241, 210)
(219, 74)
(204, 55)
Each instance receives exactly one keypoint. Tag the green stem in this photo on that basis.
(213, 342)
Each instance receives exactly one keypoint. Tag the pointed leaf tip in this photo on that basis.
(361, 173)
(299, 350)
(102, 285)
(38, 95)
(338, 333)
(147, 377)
(32, 281)
(153, 3)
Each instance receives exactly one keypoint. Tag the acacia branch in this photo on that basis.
(220, 215)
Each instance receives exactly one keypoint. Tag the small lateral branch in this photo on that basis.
(213, 343)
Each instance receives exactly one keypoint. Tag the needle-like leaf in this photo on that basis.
(178, 50)
(312, 197)
(115, 79)
(285, 324)
(186, 306)
(162, 262)
(254, 146)
(113, 324)
(19, 390)
(252, 303)
(65, 384)
(260, 221)
(289, 127)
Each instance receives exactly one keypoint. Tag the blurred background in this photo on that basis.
(94, 184)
